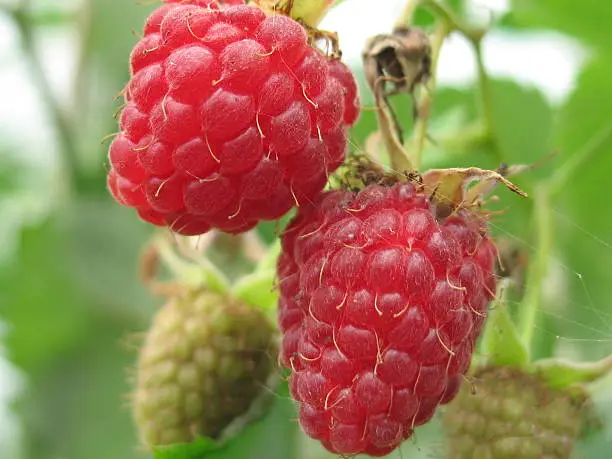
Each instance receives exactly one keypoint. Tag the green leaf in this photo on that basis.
(582, 216)
(25, 197)
(522, 123)
(273, 437)
(198, 449)
(79, 406)
(105, 241)
(45, 312)
(562, 374)
(501, 342)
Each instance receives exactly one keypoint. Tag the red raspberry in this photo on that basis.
(231, 118)
(380, 306)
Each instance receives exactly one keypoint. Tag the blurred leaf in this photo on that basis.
(579, 18)
(8, 174)
(583, 213)
(522, 123)
(28, 191)
(105, 241)
(69, 346)
(79, 407)
(500, 340)
(46, 314)
(195, 450)
(273, 437)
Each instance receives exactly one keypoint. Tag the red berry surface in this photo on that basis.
(231, 117)
(380, 306)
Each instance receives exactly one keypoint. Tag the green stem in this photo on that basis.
(202, 274)
(420, 127)
(405, 17)
(68, 147)
(443, 12)
(474, 36)
(449, 22)
(538, 268)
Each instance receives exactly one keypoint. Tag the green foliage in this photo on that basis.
(580, 19)
(584, 207)
(501, 343)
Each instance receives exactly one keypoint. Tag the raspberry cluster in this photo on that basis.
(231, 117)
(380, 306)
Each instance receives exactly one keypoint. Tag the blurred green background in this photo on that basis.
(70, 299)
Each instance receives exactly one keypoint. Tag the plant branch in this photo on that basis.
(450, 22)
(538, 268)
(420, 127)
(68, 147)
(475, 36)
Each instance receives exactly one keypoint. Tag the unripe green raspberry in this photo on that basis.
(205, 360)
(508, 414)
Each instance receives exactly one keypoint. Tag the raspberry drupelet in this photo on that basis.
(231, 118)
(381, 303)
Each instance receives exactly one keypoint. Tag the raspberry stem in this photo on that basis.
(449, 22)
(204, 273)
(257, 288)
(539, 266)
(475, 36)
(420, 127)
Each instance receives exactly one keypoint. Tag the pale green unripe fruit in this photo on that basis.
(204, 362)
(508, 414)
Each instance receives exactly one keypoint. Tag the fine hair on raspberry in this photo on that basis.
(231, 118)
(381, 302)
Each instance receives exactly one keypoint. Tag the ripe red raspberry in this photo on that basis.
(380, 306)
(231, 118)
